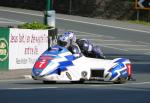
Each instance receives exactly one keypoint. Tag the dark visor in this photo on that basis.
(62, 43)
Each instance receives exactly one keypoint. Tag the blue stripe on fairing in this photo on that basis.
(36, 72)
(64, 50)
(124, 73)
(60, 49)
(121, 60)
(119, 66)
(70, 57)
(63, 65)
(54, 72)
(113, 75)
(63, 68)
(53, 52)
(59, 69)
(66, 63)
(113, 70)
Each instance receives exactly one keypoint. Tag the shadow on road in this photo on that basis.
(65, 83)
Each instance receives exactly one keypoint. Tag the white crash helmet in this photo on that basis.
(66, 39)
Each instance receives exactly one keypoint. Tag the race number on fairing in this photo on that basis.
(41, 64)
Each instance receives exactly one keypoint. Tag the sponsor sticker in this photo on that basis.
(84, 74)
(68, 75)
(3, 49)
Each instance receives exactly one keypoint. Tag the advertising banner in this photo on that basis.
(4, 48)
(25, 46)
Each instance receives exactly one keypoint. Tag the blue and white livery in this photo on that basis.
(59, 64)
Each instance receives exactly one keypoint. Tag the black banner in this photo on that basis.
(142, 4)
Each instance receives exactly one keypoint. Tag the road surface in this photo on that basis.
(117, 39)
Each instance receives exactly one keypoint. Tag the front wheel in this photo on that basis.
(78, 82)
(49, 82)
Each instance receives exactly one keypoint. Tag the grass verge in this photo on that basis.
(140, 22)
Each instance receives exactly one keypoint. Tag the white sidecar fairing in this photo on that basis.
(61, 65)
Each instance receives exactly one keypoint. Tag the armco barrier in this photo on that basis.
(19, 48)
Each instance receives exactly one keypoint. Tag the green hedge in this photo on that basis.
(33, 25)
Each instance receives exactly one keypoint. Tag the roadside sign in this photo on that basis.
(4, 48)
(142, 4)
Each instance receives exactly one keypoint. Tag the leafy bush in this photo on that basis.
(33, 25)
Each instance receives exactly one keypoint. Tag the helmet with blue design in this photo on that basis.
(66, 39)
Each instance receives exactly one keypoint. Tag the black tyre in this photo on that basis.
(120, 81)
(78, 82)
(49, 82)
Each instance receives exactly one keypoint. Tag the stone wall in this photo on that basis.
(108, 9)
(26, 4)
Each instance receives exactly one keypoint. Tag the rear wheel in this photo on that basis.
(120, 81)
(49, 82)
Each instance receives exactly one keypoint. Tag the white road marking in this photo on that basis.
(142, 49)
(11, 80)
(124, 45)
(99, 43)
(29, 88)
(110, 44)
(78, 21)
(139, 83)
(104, 25)
(11, 20)
(145, 62)
(19, 12)
(111, 47)
(143, 42)
(8, 22)
(93, 34)
(89, 35)
(148, 53)
(114, 40)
